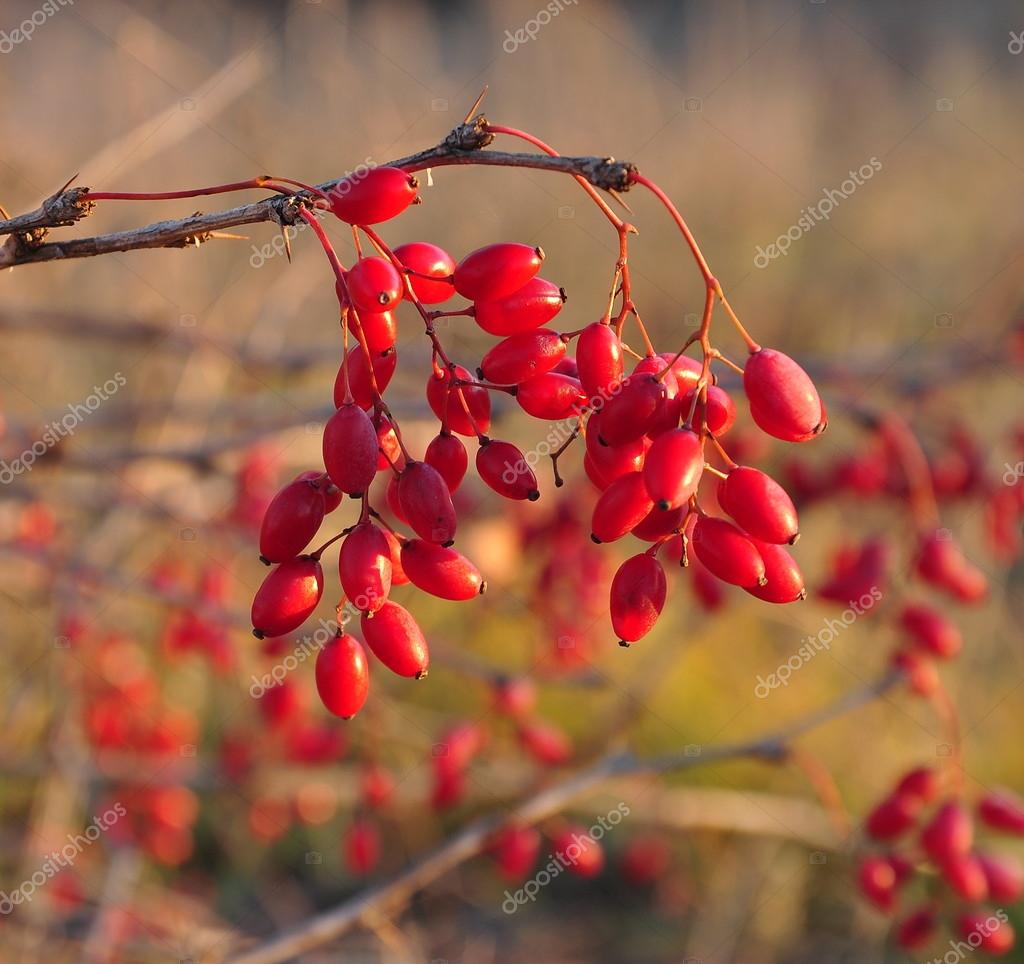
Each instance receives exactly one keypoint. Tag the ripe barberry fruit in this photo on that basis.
(360, 383)
(629, 414)
(599, 360)
(287, 597)
(373, 196)
(759, 505)
(448, 407)
(783, 400)
(496, 270)
(949, 834)
(545, 742)
(426, 259)
(364, 565)
(728, 553)
(448, 455)
(515, 850)
(533, 305)
(579, 852)
(441, 572)
(362, 846)
(519, 357)
(933, 632)
(622, 507)
(784, 583)
(504, 468)
(291, 520)
(551, 396)
(427, 503)
(673, 468)
(637, 597)
(396, 639)
(374, 285)
(350, 449)
(343, 676)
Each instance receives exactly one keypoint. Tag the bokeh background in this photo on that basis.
(745, 113)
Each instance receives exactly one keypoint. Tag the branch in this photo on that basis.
(391, 894)
(464, 145)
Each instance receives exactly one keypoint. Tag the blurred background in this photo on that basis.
(128, 559)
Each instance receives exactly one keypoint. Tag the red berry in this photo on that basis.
(378, 328)
(390, 450)
(364, 565)
(720, 409)
(932, 631)
(378, 786)
(599, 359)
(551, 396)
(645, 860)
(759, 505)
(922, 782)
(920, 671)
(523, 356)
(396, 640)
(613, 461)
(515, 696)
(949, 834)
(941, 563)
(497, 270)
(917, 929)
(398, 576)
(629, 414)
(515, 849)
(966, 876)
(442, 401)
(424, 258)
(331, 493)
(359, 376)
(575, 849)
(784, 581)
(1002, 810)
(622, 507)
(504, 468)
(362, 846)
(441, 572)
(659, 523)
(783, 400)
(545, 742)
(282, 704)
(350, 449)
(343, 676)
(287, 596)
(374, 285)
(448, 455)
(673, 468)
(1004, 877)
(372, 196)
(876, 878)
(533, 305)
(427, 503)
(728, 553)
(990, 932)
(637, 597)
(895, 815)
(291, 520)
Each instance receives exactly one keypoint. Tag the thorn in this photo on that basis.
(476, 106)
(618, 197)
(226, 236)
(71, 180)
(4, 214)
(287, 243)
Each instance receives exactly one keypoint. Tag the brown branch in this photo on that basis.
(392, 894)
(464, 145)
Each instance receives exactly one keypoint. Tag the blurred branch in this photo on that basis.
(392, 894)
(464, 145)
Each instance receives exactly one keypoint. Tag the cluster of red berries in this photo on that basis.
(652, 430)
(955, 878)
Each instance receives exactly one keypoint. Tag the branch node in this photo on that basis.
(471, 136)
